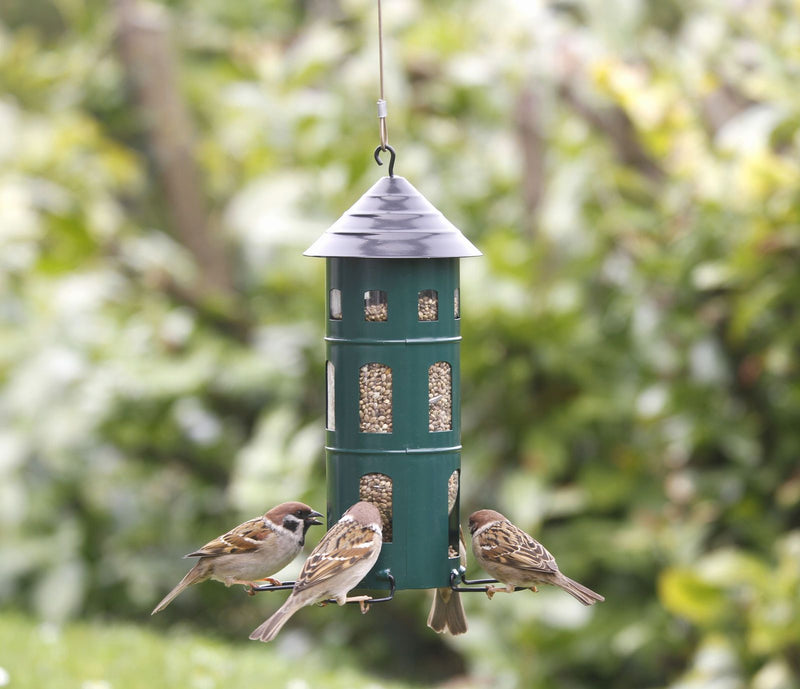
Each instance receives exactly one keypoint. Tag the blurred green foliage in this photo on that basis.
(630, 371)
(102, 656)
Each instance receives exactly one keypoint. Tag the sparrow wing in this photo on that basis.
(345, 544)
(244, 538)
(508, 545)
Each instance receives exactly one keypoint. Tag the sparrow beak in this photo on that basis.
(310, 519)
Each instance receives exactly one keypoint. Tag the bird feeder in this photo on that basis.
(393, 321)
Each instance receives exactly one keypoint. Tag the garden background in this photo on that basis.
(631, 171)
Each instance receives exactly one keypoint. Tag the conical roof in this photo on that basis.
(393, 220)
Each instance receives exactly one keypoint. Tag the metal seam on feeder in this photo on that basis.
(406, 341)
(407, 451)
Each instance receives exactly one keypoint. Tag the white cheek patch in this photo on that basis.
(483, 528)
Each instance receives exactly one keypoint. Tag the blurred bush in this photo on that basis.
(630, 387)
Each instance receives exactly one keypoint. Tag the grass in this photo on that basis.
(86, 655)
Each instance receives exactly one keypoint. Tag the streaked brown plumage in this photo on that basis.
(341, 559)
(447, 611)
(515, 558)
(251, 551)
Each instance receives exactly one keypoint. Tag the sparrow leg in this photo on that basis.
(248, 585)
(273, 582)
(362, 602)
(506, 588)
(534, 589)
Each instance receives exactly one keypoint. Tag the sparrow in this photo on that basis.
(341, 559)
(514, 558)
(251, 551)
(447, 611)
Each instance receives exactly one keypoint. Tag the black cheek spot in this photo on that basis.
(291, 524)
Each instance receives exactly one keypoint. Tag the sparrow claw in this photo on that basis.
(250, 591)
(273, 582)
(490, 591)
(363, 602)
(534, 589)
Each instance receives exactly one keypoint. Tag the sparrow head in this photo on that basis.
(483, 517)
(293, 516)
(364, 513)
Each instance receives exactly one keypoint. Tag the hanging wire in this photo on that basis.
(384, 132)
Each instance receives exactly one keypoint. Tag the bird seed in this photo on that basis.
(375, 401)
(428, 305)
(452, 491)
(440, 397)
(376, 308)
(377, 489)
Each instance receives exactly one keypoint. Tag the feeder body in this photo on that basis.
(393, 375)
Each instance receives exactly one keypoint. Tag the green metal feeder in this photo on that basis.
(393, 373)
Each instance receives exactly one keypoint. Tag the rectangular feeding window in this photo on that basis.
(453, 549)
(456, 304)
(440, 397)
(377, 489)
(335, 304)
(375, 398)
(452, 491)
(428, 305)
(376, 308)
(331, 416)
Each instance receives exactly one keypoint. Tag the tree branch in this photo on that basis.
(149, 62)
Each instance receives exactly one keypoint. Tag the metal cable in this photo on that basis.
(382, 111)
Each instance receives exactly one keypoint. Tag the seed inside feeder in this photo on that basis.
(377, 489)
(428, 305)
(452, 494)
(375, 401)
(376, 308)
(452, 491)
(440, 397)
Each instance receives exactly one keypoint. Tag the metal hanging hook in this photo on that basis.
(382, 109)
(378, 160)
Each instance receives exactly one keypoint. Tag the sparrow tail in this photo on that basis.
(269, 629)
(582, 593)
(195, 575)
(447, 612)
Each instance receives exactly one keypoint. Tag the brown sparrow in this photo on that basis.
(514, 558)
(341, 559)
(447, 611)
(251, 551)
